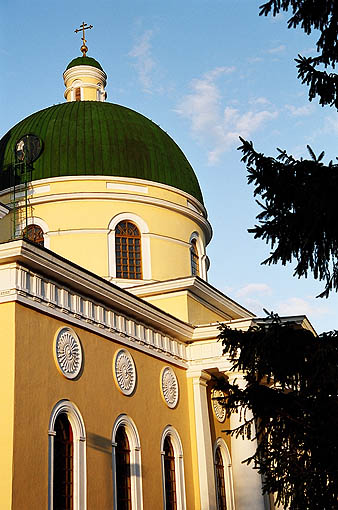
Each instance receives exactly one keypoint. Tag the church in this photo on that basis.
(110, 351)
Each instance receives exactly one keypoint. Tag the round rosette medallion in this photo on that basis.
(124, 371)
(68, 353)
(216, 404)
(169, 387)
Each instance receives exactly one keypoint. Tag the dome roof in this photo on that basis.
(84, 61)
(99, 138)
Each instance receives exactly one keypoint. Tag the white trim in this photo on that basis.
(135, 461)
(145, 243)
(201, 254)
(35, 220)
(179, 466)
(205, 460)
(127, 187)
(199, 206)
(229, 489)
(79, 455)
(3, 211)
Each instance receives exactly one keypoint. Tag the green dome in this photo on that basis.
(97, 138)
(84, 61)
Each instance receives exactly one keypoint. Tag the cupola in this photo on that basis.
(84, 78)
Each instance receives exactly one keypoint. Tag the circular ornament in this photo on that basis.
(217, 406)
(28, 148)
(169, 387)
(124, 372)
(68, 353)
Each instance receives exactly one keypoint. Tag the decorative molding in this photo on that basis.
(218, 409)
(169, 387)
(229, 488)
(124, 372)
(135, 461)
(127, 187)
(67, 299)
(111, 179)
(79, 453)
(145, 243)
(176, 442)
(68, 353)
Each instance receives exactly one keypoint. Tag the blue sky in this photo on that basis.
(206, 71)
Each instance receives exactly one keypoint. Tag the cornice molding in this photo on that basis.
(198, 288)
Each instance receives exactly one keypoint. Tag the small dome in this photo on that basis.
(98, 138)
(84, 61)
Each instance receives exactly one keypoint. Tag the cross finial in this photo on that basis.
(83, 27)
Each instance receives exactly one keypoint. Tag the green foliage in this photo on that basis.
(292, 390)
(309, 15)
(300, 211)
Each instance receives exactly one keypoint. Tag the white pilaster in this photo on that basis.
(247, 481)
(203, 437)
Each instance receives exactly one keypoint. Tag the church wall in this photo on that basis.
(200, 313)
(39, 386)
(78, 213)
(7, 365)
(175, 304)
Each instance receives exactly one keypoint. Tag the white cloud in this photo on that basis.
(277, 49)
(254, 288)
(259, 100)
(300, 306)
(299, 111)
(253, 60)
(215, 126)
(145, 63)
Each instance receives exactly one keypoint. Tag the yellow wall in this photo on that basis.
(78, 212)
(88, 93)
(7, 360)
(39, 386)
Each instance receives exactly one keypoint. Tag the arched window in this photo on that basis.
(67, 458)
(220, 482)
(169, 475)
(78, 94)
(126, 465)
(223, 476)
(128, 250)
(194, 258)
(34, 233)
(172, 470)
(63, 464)
(123, 480)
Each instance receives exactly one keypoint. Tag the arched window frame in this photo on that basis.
(79, 453)
(135, 461)
(202, 257)
(176, 443)
(34, 220)
(77, 84)
(145, 245)
(229, 488)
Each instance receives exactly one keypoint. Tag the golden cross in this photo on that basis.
(83, 27)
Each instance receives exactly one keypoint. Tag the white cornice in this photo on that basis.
(93, 72)
(197, 287)
(103, 195)
(111, 179)
(86, 283)
(3, 210)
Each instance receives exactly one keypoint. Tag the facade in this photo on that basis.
(109, 327)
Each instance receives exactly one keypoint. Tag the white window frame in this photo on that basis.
(176, 443)
(145, 245)
(35, 220)
(77, 84)
(135, 461)
(79, 453)
(228, 480)
(201, 254)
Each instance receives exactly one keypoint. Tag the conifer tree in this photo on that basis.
(291, 374)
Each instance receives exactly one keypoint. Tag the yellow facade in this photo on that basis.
(63, 306)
